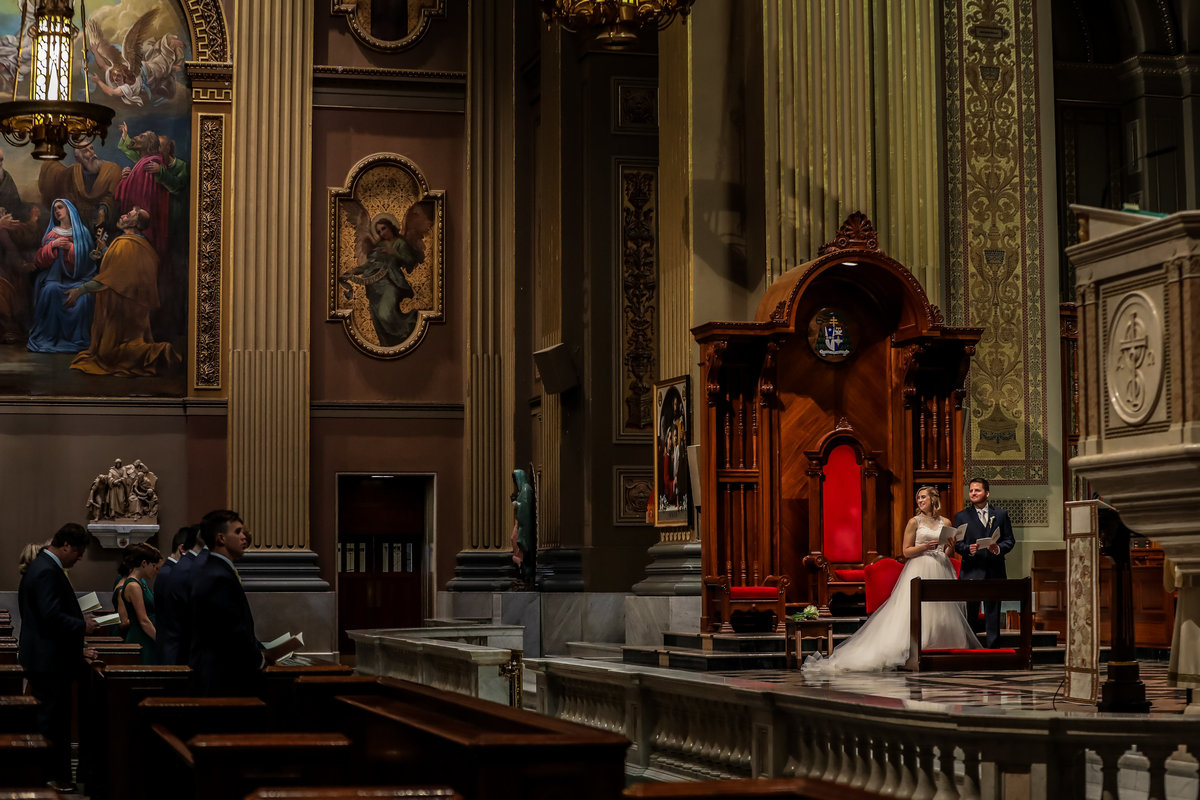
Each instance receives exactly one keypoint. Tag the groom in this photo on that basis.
(982, 520)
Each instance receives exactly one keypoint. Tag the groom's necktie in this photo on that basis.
(983, 516)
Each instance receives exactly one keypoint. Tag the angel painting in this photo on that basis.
(385, 257)
(143, 68)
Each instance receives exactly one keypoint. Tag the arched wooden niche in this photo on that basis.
(845, 351)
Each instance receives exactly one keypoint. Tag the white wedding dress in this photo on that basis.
(882, 642)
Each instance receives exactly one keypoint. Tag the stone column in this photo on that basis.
(485, 562)
(269, 287)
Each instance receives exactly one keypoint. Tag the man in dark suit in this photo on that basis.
(226, 658)
(174, 632)
(51, 646)
(165, 614)
(979, 562)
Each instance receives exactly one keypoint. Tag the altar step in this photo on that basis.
(717, 652)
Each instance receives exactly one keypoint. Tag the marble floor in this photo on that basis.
(1039, 689)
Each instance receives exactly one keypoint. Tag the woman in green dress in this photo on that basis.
(142, 561)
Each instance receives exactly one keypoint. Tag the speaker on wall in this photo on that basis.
(555, 368)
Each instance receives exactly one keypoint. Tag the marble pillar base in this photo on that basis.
(483, 571)
(648, 618)
(674, 569)
(313, 613)
(281, 571)
(560, 569)
(550, 619)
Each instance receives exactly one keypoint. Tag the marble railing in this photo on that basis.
(687, 727)
(490, 673)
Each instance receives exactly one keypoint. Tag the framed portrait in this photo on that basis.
(672, 435)
(385, 255)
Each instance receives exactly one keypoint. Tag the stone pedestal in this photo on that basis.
(120, 535)
(674, 570)
(1138, 290)
(648, 618)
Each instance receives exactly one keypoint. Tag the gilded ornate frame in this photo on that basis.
(355, 11)
(342, 236)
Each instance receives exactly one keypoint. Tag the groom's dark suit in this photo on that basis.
(984, 564)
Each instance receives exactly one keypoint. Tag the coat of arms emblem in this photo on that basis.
(829, 335)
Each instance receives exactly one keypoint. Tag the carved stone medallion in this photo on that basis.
(1135, 358)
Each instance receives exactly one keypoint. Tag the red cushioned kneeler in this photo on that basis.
(881, 579)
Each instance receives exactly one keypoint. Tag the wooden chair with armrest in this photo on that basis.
(770, 596)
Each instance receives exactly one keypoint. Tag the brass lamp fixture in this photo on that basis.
(618, 20)
(50, 118)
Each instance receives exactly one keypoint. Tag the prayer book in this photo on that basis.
(108, 619)
(89, 602)
(987, 541)
(283, 646)
(951, 535)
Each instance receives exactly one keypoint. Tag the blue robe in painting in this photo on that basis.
(56, 329)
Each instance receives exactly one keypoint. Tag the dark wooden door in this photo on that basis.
(381, 552)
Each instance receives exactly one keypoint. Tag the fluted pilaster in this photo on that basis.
(269, 282)
(491, 175)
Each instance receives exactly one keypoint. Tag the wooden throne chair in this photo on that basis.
(818, 421)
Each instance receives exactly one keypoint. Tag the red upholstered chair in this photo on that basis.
(881, 579)
(842, 476)
(771, 596)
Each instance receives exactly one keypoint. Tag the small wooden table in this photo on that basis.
(800, 629)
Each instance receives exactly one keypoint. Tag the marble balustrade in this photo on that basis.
(685, 728)
(490, 673)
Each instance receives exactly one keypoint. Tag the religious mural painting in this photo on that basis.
(390, 26)
(672, 481)
(94, 248)
(385, 255)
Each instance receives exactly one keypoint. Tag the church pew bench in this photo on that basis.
(24, 758)
(310, 703)
(114, 653)
(12, 679)
(355, 793)
(6, 628)
(228, 766)
(91, 641)
(436, 737)
(109, 716)
(750, 789)
(186, 717)
(278, 680)
(29, 794)
(8, 653)
(937, 591)
(18, 714)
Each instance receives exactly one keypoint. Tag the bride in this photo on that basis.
(883, 640)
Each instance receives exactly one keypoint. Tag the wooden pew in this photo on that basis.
(278, 685)
(8, 653)
(18, 714)
(117, 653)
(435, 737)
(311, 704)
(29, 794)
(229, 766)
(354, 792)
(186, 717)
(12, 679)
(24, 758)
(937, 591)
(794, 788)
(109, 719)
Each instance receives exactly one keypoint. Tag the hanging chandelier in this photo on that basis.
(50, 118)
(618, 20)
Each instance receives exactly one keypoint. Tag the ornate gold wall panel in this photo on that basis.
(995, 238)
(210, 246)
(209, 34)
(637, 290)
(269, 328)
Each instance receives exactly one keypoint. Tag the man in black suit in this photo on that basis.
(983, 520)
(174, 632)
(165, 615)
(51, 646)
(226, 658)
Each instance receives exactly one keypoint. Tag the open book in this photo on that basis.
(108, 619)
(89, 602)
(985, 542)
(951, 535)
(283, 646)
